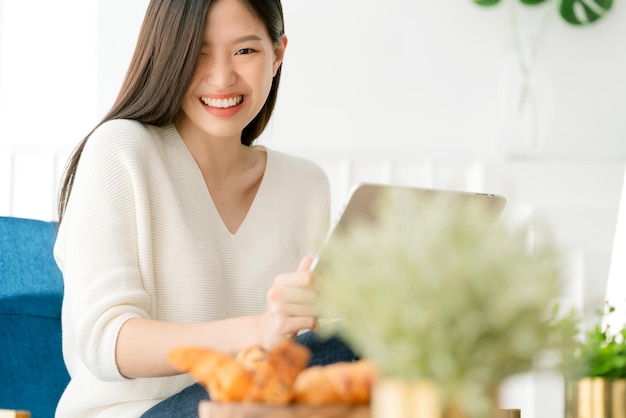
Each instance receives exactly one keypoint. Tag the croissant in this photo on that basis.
(251, 357)
(344, 382)
(277, 377)
(224, 378)
(254, 375)
(274, 376)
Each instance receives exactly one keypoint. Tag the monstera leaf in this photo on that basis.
(576, 12)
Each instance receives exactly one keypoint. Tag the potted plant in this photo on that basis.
(596, 374)
(446, 306)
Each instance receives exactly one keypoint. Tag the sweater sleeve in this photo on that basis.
(96, 247)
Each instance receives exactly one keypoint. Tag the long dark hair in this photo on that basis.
(162, 68)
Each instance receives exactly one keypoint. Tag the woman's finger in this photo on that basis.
(291, 295)
(305, 263)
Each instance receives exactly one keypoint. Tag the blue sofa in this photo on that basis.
(31, 364)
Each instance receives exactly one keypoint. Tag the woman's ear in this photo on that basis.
(279, 53)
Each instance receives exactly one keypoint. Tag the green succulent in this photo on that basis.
(576, 12)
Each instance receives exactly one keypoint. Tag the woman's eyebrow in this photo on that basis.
(239, 40)
(248, 38)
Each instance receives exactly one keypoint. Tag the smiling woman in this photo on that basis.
(207, 237)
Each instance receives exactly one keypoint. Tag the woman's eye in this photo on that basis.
(244, 51)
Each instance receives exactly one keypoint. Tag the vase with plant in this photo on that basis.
(525, 97)
(596, 374)
(453, 303)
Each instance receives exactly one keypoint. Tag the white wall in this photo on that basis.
(358, 73)
(424, 76)
(397, 91)
(49, 76)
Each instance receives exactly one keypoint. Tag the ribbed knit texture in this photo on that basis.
(141, 237)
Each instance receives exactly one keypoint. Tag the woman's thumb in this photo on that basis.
(305, 263)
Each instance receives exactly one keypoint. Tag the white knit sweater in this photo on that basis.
(141, 237)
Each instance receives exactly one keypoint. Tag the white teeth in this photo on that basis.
(222, 103)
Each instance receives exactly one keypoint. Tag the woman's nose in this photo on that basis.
(221, 73)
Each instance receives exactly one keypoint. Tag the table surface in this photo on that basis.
(224, 410)
(233, 410)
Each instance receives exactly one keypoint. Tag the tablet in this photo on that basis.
(364, 199)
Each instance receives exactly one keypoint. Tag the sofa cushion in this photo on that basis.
(31, 293)
(27, 267)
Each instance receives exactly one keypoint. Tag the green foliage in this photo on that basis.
(532, 2)
(456, 296)
(593, 10)
(575, 12)
(601, 354)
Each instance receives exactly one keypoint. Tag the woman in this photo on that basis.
(174, 228)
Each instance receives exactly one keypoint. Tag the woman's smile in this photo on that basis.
(223, 106)
(224, 102)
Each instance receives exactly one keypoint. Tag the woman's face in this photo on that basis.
(234, 74)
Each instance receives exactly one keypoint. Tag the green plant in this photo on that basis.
(601, 353)
(576, 12)
(457, 296)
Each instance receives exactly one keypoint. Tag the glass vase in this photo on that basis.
(525, 105)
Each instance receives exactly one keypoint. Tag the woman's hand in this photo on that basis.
(290, 305)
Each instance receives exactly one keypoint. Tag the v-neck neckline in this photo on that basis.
(210, 203)
(258, 196)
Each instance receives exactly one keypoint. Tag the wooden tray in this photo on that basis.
(235, 410)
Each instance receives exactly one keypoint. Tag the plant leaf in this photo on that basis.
(486, 2)
(582, 12)
(532, 2)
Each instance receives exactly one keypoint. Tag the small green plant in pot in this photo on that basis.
(457, 297)
(596, 374)
(602, 353)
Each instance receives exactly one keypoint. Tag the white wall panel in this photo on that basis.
(6, 181)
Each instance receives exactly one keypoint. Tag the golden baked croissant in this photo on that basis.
(277, 377)
(254, 375)
(343, 382)
(251, 357)
(224, 378)
(274, 377)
